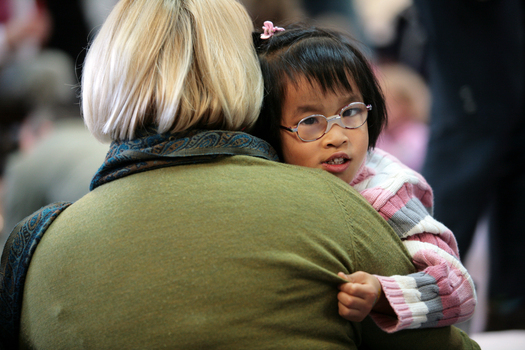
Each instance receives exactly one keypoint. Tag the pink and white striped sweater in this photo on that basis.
(441, 292)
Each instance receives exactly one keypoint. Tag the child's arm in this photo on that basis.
(442, 293)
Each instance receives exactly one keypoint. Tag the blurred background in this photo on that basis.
(455, 114)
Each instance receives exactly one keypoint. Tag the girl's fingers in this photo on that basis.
(352, 302)
(362, 291)
(354, 315)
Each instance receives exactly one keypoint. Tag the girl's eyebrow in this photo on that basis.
(353, 98)
(314, 107)
(308, 108)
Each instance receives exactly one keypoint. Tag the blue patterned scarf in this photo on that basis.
(152, 151)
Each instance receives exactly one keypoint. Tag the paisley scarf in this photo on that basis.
(151, 151)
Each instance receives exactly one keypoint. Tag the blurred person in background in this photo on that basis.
(28, 29)
(476, 150)
(407, 99)
(57, 156)
(42, 45)
(24, 28)
(23, 24)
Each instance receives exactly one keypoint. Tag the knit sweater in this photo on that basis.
(442, 291)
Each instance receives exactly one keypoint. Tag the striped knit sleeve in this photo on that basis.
(441, 292)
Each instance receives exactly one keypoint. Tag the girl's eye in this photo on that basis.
(350, 112)
(310, 121)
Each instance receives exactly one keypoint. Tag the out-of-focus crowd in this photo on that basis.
(42, 47)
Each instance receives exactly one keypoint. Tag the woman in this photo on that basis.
(192, 237)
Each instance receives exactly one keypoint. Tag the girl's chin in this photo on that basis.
(346, 177)
(342, 171)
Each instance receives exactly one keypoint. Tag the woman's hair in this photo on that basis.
(324, 57)
(174, 64)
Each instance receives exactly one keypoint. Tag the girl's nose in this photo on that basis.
(336, 136)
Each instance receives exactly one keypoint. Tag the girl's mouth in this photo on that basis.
(337, 161)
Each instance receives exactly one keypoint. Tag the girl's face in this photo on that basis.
(340, 151)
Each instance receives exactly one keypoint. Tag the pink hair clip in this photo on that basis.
(270, 30)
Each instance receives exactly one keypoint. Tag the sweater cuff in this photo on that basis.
(404, 297)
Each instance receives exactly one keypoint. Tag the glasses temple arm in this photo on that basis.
(286, 128)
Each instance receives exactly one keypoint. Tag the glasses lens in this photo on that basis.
(354, 115)
(311, 128)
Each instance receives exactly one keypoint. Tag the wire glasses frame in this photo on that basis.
(315, 126)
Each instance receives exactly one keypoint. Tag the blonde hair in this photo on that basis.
(176, 64)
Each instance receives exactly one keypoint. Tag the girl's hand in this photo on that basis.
(358, 296)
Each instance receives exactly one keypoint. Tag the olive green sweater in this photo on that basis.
(239, 253)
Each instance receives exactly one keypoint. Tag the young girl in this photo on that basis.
(324, 109)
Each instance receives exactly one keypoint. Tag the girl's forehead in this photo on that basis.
(303, 85)
(304, 99)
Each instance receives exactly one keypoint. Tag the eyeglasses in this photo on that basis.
(316, 126)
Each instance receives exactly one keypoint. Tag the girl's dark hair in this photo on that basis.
(321, 56)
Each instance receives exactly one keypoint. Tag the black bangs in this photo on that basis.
(324, 62)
